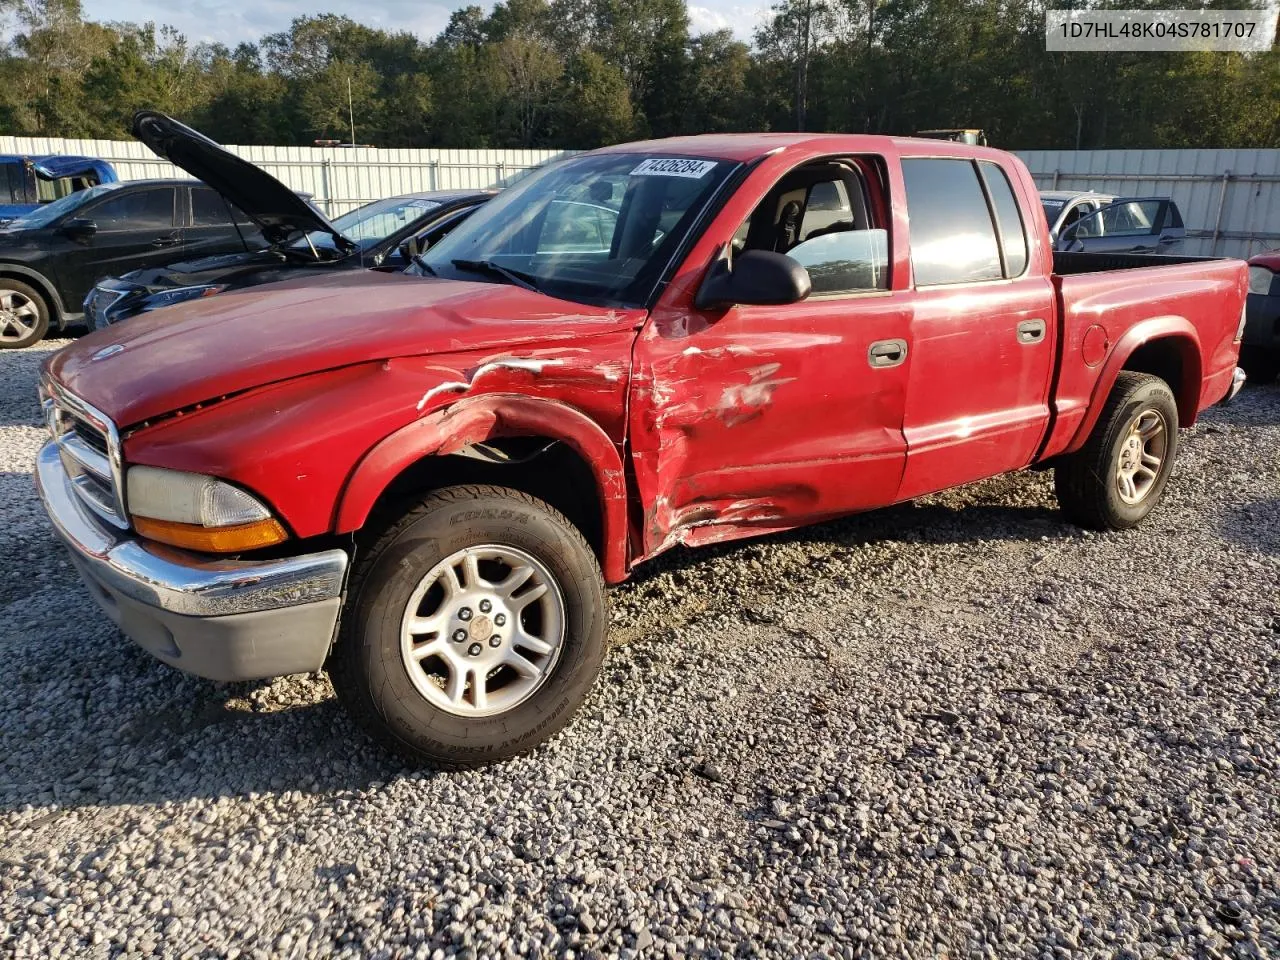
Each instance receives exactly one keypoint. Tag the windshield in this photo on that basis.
(597, 228)
(50, 212)
(372, 223)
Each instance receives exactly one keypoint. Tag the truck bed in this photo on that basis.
(1104, 298)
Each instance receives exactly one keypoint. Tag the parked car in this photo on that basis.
(27, 182)
(423, 482)
(1260, 352)
(384, 235)
(52, 257)
(1130, 225)
(1062, 208)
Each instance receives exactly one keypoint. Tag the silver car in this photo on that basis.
(1062, 208)
(1099, 223)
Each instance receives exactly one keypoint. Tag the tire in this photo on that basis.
(1089, 483)
(24, 314)
(430, 713)
(1260, 364)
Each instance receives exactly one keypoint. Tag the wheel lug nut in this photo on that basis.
(459, 636)
(474, 650)
(500, 619)
(495, 641)
(485, 606)
(464, 613)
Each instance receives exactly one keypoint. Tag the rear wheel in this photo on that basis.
(1119, 475)
(474, 628)
(1261, 365)
(24, 315)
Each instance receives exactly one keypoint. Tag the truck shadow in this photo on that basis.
(140, 732)
(929, 523)
(88, 720)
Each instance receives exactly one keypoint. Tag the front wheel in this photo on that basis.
(1119, 475)
(24, 315)
(474, 629)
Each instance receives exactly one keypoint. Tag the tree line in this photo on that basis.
(581, 73)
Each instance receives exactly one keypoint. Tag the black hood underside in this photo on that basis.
(278, 211)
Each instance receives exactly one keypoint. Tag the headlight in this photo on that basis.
(197, 512)
(167, 298)
(1260, 279)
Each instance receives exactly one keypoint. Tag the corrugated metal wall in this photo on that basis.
(1230, 199)
(338, 178)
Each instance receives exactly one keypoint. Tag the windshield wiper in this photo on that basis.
(420, 262)
(518, 277)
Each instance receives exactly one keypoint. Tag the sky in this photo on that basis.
(233, 21)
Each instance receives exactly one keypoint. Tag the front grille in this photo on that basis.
(90, 450)
(99, 301)
(90, 435)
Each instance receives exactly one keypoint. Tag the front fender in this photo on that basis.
(485, 417)
(57, 308)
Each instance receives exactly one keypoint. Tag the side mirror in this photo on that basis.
(80, 228)
(754, 277)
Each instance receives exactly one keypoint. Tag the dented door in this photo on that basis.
(766, 418)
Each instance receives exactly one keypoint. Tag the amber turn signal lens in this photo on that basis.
(190, 536)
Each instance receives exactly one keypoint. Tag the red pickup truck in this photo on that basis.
(422, 482)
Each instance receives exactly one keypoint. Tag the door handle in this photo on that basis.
(887, 353)
(166, 241)
(1031, 331)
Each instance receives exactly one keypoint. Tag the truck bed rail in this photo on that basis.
(1065, 263)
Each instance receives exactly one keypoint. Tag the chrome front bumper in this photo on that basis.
(218, 618)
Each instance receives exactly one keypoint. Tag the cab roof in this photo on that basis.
(752, 146)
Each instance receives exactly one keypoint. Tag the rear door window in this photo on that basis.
(209, 209)
(1013, 236)
(1137, 218)
(953, 237)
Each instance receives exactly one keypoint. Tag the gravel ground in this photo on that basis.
(956, 728)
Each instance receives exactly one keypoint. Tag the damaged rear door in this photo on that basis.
(757, 418)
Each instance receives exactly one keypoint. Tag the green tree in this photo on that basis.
(596, 109)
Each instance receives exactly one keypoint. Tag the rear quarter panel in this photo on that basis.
(1107, 316)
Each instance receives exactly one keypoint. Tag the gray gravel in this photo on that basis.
(956, 727)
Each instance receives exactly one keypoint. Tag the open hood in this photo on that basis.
(280, 212)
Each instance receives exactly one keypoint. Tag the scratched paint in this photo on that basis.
(532, 364)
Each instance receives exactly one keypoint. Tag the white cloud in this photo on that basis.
(723, 16)
(230, 22)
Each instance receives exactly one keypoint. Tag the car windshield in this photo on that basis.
(1051, 209)
(49, 212)
(598, 228)
(371, 223)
